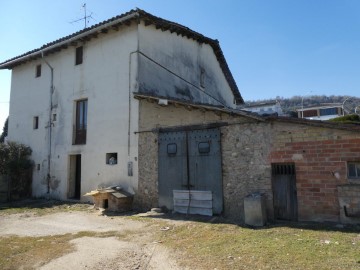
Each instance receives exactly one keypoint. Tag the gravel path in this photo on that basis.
(137, 252)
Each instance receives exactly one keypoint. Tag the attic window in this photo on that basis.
(79, 55)
(38, 71)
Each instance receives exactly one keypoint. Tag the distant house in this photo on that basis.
(73, 100)
(321, 112)
(266, 108)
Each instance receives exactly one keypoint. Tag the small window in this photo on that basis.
(204, 147)
(38, 167)
(38, 71)
(79, 55)
(171, 149)
(111, 158)
(36, 122)
(54, 117)
(354, 170)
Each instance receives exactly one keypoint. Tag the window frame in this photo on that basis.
(356, 165)
(80, 125)
(36, 122)
(38, 71)
(79, 55)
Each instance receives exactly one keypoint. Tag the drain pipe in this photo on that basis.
(50, 122)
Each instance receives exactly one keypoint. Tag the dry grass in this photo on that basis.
(224, 246)
(42, 207)
(32, 252)
(205, 245)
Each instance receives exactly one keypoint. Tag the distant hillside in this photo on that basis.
(289, 105)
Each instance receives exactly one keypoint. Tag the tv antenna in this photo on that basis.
(85, 18)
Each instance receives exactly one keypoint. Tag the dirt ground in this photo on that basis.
(137, 251)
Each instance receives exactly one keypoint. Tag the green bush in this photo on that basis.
(16, 165)
(351, 118)
(14, 158)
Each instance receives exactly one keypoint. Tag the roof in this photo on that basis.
(316, 123)
(201, 106)
(321, 106)
(136, 15)
(262, 104)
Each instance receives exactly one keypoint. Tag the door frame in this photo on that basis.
(285, 201)
(74, 177)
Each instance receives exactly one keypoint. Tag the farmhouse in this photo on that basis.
(148, 105)
(72, 100)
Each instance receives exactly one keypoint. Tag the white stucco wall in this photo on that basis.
(186, 58)
(103, 78)
(114, 66)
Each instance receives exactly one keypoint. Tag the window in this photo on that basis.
(354, 170)
(204, 147)
(79, 55)
(111, 158)
(36, 122)
(171, 149)
(54, 117)
(81, 122)
(328, 111)
(38, 71)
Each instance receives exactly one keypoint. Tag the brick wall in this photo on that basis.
(320, 156)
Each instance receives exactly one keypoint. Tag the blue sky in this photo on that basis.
(273, 48)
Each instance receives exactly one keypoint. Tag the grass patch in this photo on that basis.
(223, 246)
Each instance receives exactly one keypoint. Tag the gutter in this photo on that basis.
(65, 42)
(50, 122)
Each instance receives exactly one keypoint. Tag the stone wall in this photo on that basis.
(147, 195)
(245, 150)
(320, 156)
(349, 202)
(249, 147)
(152, 116)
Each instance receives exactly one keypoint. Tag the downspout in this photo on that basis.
(129, 104)
(50, 124)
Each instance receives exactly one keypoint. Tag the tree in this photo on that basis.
(5, 131)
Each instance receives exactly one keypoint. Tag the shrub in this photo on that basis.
(15, 162)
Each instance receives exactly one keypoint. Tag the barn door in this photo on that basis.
(284, 191)
(205, 164)
(190, 160)
(172, 166)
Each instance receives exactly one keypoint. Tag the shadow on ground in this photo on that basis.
(43, 204)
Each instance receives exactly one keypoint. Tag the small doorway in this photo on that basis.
(284, 191)
(74, 187)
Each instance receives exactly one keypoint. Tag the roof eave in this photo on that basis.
(45, 49)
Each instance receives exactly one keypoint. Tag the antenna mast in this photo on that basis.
(85, 16)
(84, 6)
